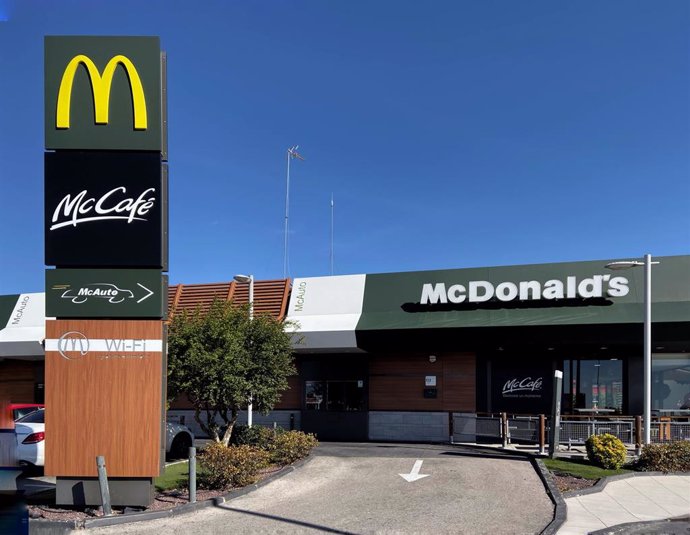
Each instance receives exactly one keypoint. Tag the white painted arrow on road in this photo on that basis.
(414, 474)
(150, 293)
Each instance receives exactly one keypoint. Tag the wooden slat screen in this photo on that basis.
(397, 382)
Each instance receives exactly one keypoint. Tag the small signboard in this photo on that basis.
(106, 209)
(430, 380)
(106, 293)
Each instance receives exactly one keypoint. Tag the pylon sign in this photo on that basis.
(106, 232)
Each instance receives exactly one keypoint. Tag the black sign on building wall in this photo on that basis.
(106, 209)
(520, 387)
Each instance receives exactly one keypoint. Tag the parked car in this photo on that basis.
(178, 439)
(30, 432)
(19, 410)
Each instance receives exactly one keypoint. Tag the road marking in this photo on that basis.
(414, 474)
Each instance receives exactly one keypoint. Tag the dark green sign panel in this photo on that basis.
(104, 93)
(106, 293)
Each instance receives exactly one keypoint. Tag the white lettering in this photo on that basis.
(506, 291)
(76, 211)
(553, 289)
(618, 287)
(456, 293)
(590, 287)
(488, 291)
(432, 294)
(530, 286)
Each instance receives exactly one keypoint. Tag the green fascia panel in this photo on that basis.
(106, 293)
(7, 306)
(393, 300)
(120, 132)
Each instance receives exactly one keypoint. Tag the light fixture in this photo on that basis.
(243, 278)
(432, 358)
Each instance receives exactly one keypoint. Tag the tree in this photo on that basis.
(221, 358)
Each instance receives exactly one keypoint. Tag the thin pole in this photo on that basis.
(287, 213)
(647, 348)
(250, 406)
(332, 252)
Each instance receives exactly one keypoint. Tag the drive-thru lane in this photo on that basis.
(360, 488)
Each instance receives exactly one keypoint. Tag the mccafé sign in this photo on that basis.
(481, 291)
(105, 209)
(104, 93)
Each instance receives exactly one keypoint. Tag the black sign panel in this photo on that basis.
(521, 387)
(106, 209)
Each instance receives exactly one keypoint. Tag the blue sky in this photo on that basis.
(451, 134)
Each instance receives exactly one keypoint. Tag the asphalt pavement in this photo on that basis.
(380, 488)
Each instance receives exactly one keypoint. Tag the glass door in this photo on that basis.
(593, 386)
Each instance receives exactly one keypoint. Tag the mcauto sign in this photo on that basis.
(106, 293)
(104, 93)
(106, 209)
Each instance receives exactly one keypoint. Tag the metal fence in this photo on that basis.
(669, 431)
(525, 429)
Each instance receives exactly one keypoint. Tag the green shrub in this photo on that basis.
(606, 451)
(257, 435)
(671, 457)
(222, 467)
(291, 446)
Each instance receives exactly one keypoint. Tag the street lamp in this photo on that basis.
(244, 279)
(647, 264)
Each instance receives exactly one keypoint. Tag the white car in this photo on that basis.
(30, 431)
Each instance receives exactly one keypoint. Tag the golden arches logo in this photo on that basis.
(101, 90)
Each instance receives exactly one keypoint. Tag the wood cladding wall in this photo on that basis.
(396, 382)
(292, 397)
(103, 402)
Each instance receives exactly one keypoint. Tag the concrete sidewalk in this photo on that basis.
(640, 498)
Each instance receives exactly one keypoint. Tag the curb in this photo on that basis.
(60, 527)
(560, 513)
(623, 528)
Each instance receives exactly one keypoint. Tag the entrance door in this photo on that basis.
(335, 398)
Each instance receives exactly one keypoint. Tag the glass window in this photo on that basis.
(593, 384)
(671, 381)
(36, 417)
(335, 395)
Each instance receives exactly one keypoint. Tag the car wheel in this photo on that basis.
(179, 449)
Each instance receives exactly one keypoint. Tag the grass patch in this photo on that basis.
(174, 477)
(580, 468)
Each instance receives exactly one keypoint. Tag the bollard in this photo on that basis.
(292, 421)
(542, 434)
(504, 429)
(103, 483)
(192, 475)
(638, 435)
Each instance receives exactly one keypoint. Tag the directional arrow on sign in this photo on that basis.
(149, 294)
(414, 474)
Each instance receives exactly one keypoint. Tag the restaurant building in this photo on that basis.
(393, 356)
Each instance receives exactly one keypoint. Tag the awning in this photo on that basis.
(23, 319)
(325, 312)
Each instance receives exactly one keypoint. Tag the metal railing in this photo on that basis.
(573, 430)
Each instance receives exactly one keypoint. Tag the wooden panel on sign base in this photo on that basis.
(103, 397)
